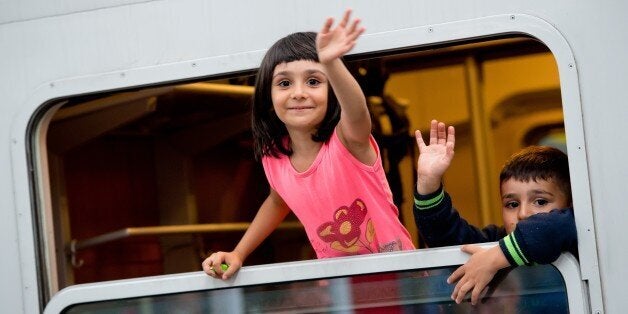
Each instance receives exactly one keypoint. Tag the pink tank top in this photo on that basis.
(345, 206)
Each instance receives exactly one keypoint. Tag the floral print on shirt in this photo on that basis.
(343, 233)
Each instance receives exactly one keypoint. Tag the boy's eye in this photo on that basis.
(541, 202)
(511, 204)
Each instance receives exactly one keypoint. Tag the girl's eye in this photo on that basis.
(313, 82)
(511, 204)
(541, 202)
(283, 83)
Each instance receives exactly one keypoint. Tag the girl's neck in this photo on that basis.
(304, 151)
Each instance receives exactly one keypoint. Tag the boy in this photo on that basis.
(536, 210)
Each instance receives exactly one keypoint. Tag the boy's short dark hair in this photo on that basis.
(539, 162)
(268, 131)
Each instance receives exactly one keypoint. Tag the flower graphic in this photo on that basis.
(343, 233)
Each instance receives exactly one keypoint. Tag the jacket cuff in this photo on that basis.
(512, 251)
(425, 202)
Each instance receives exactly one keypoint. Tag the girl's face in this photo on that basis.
(299, 94)
(521, 200)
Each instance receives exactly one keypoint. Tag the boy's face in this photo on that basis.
(521, 200)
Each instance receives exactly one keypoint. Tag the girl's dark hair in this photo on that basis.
(539, 162)
(269, 133)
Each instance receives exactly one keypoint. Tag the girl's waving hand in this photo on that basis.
(333, 43)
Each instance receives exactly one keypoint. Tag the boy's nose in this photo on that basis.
(524, 212)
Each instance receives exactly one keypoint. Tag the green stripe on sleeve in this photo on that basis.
(513, 251)
(427, 204)
(516, 244)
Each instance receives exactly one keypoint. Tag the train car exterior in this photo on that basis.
(52, 51)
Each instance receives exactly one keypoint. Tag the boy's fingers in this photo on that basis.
(484, 293)
(475, 294)
(463, 291)
(456, 275)
(454, 293)
(451, 136)
(419, 140)
(442, 135)
(433, 132)
(470, 249)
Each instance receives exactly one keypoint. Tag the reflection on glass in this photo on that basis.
(521, 290)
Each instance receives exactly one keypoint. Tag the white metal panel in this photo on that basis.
(221, 64)
(15, 11)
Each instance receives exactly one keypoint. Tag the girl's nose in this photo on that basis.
(298, 92)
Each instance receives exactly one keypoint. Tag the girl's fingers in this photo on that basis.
(355, 34)
(208, 268)
(230, 271)
(327, 25)
(345, 18)
(353, 27)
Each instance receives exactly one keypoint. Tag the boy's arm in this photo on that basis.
(541, 238)
(354, 127)
(440, 224)
(270, 215)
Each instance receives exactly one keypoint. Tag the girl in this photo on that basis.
(312, 132)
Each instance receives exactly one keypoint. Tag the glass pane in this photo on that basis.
(520, 290)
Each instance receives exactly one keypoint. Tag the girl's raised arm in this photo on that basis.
(354, 128)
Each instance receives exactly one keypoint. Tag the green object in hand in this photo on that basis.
(224, 266)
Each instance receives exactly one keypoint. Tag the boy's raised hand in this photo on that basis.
(334, 43)
(477, 272)
(435, 158)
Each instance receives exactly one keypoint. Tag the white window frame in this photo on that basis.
(29, 128)
(567, 265)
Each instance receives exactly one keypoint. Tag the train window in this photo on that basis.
(302, 289)
(524, 290)
(147, 181)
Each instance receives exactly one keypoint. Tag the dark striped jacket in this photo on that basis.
(540, 238)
